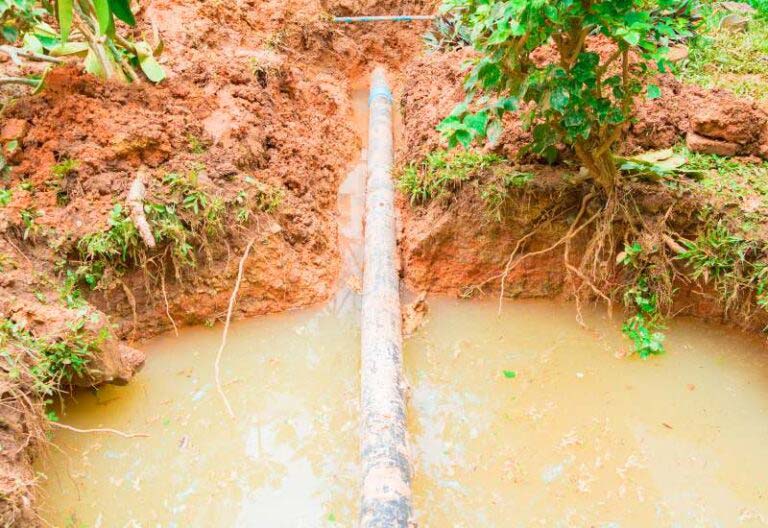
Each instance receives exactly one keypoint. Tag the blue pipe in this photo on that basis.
(391, 18)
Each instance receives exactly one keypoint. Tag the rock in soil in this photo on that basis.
(705, 145)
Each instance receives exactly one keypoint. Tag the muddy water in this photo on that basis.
(574, 436)
(288, 460)
(571, 435)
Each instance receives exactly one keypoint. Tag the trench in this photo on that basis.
(518, 418)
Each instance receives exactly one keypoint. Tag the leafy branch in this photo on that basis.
(87, 29)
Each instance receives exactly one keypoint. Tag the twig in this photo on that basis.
(20, 252)
(19, 80)
(15, 53)
(99, 430)
(230, 308)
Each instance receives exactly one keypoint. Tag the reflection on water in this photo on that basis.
(570, 436)
(288, 460)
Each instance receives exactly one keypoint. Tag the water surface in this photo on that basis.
(526, 419)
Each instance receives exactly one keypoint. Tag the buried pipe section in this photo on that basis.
(385, 461)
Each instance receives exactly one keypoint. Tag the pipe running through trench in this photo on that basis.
(385, 461)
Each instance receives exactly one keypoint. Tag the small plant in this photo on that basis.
(5, 196)
(447, 34)
(50, 360)
(86, 28)
(115, 247)
(64, 168)
(69, 292)
(715, 254)
(28, 217)
(442, 170)
(495, 193)
(644, 327)
(268, 199)
(59, 173)
(195, 144)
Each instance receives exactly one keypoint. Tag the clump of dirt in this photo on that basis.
(28, 302)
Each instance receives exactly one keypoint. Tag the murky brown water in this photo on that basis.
(578, 437)
(287, 460)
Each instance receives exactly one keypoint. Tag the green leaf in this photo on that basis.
(632, 37)
(64, 12)
(70, 48)
(559, 99)
(148, 63)
(477, 122)
(653, 91)
(33, 44)
(462, 136)
(122, 10)
(10, 34)
(510, 374)
(103, 15)
(93, 65)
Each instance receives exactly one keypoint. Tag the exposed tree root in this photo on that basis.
(132, 301)
(574, 230)
(99, 430)
(167, 307)
(230, 308)
(135, 202)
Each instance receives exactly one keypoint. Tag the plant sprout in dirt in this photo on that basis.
(89, 29)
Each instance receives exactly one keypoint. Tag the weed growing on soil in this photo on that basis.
(184, 221)
(442, 170)
(644, 327)
(737, 182)
(195, 144)
(734, 60)
(59, 173)
(5, 196)
(496, 191)
(28, 217)
(736, 266)
(48, 361)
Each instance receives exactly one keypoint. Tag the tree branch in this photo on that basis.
(15, 53)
